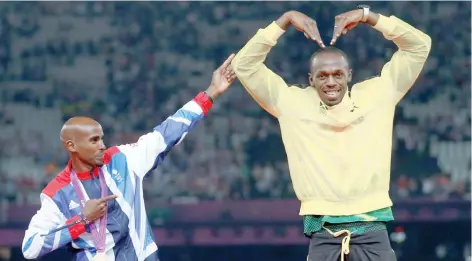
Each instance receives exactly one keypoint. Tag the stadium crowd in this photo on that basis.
(131, 64)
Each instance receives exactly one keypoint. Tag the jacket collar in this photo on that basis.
(346, 102)
(85, 175)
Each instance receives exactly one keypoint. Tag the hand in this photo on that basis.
(222, 78)
(96, 208)
(345, 22)
(303, 24)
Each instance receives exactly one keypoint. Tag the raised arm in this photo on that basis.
(401, 72)
(264, 85)
(49, 217)
(150, 150)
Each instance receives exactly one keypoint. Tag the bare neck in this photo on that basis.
(80, 166)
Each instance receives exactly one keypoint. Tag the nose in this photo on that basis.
(331, 82)
(101, 145)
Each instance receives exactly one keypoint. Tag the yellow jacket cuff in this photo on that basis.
(273, 31)
(385, 24)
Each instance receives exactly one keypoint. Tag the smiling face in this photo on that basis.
(330, 76)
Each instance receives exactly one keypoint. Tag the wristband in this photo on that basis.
(84, 219)
(209, 97)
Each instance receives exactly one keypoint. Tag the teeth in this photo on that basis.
(331, 93)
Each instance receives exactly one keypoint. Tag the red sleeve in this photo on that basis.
(204, 101)
(77, 229)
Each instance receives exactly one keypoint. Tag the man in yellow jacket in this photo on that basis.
(338, 143)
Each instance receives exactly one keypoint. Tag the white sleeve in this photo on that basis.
(150, 150)
(46, 219)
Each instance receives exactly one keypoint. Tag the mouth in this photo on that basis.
(332, 93)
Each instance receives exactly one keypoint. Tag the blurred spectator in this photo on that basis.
(130, 64)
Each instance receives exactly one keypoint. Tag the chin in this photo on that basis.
(99, 164)
(331, 102)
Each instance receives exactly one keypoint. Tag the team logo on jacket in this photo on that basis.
(73, 204)
(116, 175)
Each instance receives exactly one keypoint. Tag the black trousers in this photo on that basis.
(371, 246)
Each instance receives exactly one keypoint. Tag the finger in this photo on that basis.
(227, 75)
(317, 36)
(308, 29)
(339, 26)
(313, 33)
(227, 62)
(231, 75)
(336, 33)
(110, 197)
(229, 69)
(227, 72)
(350, 26)
(345, 31)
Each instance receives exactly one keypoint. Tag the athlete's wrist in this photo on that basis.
(211, 94)
(285, 20)
(372, 18)
(83, 219)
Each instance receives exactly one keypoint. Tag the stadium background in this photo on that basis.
(225, 193)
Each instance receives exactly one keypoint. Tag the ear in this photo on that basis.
(310, 79)
(349, 76)
(70, 146)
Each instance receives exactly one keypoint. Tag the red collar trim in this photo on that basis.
(82, 175)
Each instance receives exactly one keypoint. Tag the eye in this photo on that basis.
(322, 77)
(338, 75)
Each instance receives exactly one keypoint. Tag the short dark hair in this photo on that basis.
(329, 49)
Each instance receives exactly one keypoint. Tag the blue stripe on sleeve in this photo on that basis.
(28, 243)
(48, 243)
(191, 116)
(137, 205)
(171, 131)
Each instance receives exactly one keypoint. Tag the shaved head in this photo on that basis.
(77, 125)
(328, 50)
(82, 137)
